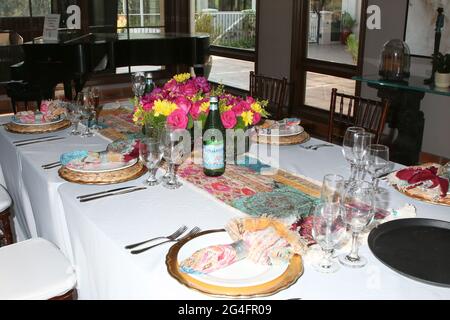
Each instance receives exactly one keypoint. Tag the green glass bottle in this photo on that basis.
(214, 142)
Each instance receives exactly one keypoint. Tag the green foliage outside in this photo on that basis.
(353, 47)
(20, 8)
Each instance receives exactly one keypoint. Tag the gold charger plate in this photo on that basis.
(293, 272)
(34, 129)
(282, 141)
(418, 195)
(103, 178)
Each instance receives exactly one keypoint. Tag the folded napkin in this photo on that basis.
(264, 241)
(426, 177)
(80, 158)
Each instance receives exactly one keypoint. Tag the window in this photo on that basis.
(144, 16)
(21, 8)
(231, 25)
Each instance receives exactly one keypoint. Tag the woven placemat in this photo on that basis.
(33, 129)
(282, 141)
(111, 177)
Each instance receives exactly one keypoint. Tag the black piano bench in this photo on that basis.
(22, 91)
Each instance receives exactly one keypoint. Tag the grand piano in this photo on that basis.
(74, 58)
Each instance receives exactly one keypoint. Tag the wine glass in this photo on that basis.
(328, 230)
(74, 115)
(87, 112)
(358, 212)
(151, 153)
(332, 189)
(347, 148)
(95, 102)
(138, 84)
(377, 161)
(362, 140)
(172, 154)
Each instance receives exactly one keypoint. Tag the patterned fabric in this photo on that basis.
(118, 124)
(282, 195)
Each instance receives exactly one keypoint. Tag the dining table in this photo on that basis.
(93, 235)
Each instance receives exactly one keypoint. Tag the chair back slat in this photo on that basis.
(271, 89)
(366, 113)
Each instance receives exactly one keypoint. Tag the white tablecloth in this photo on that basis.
(93, 234)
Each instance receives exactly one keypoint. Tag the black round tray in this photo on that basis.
(416, 248)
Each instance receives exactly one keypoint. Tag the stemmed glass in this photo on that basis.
(74, 114)
(95, 102)
(83, 100)
(332, 189)
(328, 230)
(151, 152)
(362, 140)
(347, 149)
(138, 84)
(377, 161)
(172, 154)
(358, 212)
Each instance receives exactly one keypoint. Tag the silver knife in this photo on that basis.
(40, 141)
(113, 194)
(34, 139)
(103, 192)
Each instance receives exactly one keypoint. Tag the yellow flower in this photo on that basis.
(137, 116)
(257, 107)
(164, 107)
(227, 108)
(182, 77)
(204, 106)
(247, 117)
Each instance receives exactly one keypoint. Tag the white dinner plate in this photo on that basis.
(16, 121)
(243, 273)
(289, 132)
(104, 167)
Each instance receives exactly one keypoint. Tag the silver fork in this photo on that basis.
(173, 236)
(194, 231)
(315, 146)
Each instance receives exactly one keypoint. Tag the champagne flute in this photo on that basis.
(377, 162)
(358, 213)
(347, 148)
(332, 189)
(172, 155)
(362, 140)
(328, 230)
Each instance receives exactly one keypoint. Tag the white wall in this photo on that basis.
(436, 108)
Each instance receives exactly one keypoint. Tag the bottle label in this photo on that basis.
(213, 156)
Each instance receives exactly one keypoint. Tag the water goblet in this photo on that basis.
(347, 149)
(377, 162)
(358, 213)
(151, 153)
(328, 231)
(95, 102)
(172, 154)
(362, 140)
(74, 115)
(83, 100)
(332, 189)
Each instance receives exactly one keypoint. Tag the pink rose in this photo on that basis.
(148, 106)
(228, 119)
(250, 100)
(189, 89)
(241, 107)
(172, 86)
(195, 110)
(183, 103)
(256, 118)
(202, 84)
(178, 119)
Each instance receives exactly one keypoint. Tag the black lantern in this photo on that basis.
(395, 61)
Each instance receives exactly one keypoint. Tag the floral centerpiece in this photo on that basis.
(185, 99)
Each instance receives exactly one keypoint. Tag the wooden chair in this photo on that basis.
(6, 237)
(35, 270)
(348, 111)
(271, 89)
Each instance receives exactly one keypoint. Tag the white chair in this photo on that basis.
(5, 219)
(35, 270)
